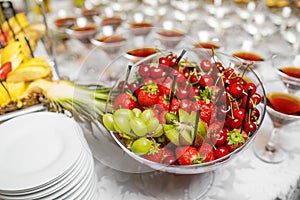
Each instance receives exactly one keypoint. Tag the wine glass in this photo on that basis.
(111, 43)
(140, 26)
(155, 8)
(186, 11)
(283, 108)
(288, 69)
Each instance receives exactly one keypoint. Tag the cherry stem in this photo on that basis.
(246, 108)
(172, 90)
(29, 46)
(129, 67)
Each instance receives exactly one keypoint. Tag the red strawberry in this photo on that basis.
(187, 155)
(235, 139)
(148, 95)
(207, 111)
(163, 90)
(206, 150)
(155, 154)
(162, 103)
(125, 100)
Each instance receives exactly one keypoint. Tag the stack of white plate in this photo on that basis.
(45, 156)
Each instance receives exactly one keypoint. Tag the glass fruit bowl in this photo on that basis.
(185, 113)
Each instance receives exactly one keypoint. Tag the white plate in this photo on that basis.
(53, 187)
(35, 149)
(81, 186)
(85, 172)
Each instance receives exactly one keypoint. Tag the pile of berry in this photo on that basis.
(179, 112)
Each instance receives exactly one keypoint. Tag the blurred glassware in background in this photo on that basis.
(155, 8)
(220, 14)
(186, 11)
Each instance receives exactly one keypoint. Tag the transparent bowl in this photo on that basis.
(195, 57)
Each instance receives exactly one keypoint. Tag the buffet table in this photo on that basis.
(245, 178)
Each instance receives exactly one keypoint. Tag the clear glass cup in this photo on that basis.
(288, 69)
(281, 115)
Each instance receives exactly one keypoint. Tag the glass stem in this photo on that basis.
(270, 146)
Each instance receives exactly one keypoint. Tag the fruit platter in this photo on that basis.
(185, 112)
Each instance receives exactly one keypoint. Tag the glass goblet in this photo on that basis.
(280, 115)
(288, 69)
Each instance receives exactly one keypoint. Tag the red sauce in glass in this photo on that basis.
(291, 71)
(207, 45)
(65, 22)
(114, 21)
(142, 52)
(171, 33)
(111, 39)
(248, 56)
(85, 28)
(279, 102)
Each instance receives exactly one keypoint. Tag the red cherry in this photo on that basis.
(144, 70)
(233, 123)
(156, 72)
(229, 72)
(221, 152)
(194, 78)
(235, 89)
(206, 80)
(239, 113)
(251, 86)
(182, 93)
(219, 138)
(206, 65)
(164, 61)
(249, 127)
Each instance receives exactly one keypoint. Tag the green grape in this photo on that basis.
(137, 112)
(108, 121)
(124, 112)
(122, 124)
(159, 131)
(147, 115)
(141, 146)
(152, 125)
(138, 126)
